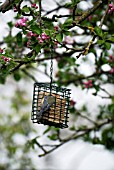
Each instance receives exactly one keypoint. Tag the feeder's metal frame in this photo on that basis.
(57, 115)
(51, 118)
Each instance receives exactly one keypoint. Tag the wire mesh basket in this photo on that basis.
(57, 114)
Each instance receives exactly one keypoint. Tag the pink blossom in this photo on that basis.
(1, 50)
(28, 43)
(112, 70)
(16, 25)
(110, 5)
(56, 44)
(56, 28)
(72, 102)
(88, 84)
(39, 37)
(6, 59)
(44, 36)
(40, 41)
(111, 9)
(34, 6)
(24, 19)
(21, 22)
(111, 58)
(15, 9)
(90, 17)
(30, 34)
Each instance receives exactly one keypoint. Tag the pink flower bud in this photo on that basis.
(88, 84)
(72, 102)
(111, 9)
(110, 5)
(15, 9)
(24, 19)
(56, 28)
(40, 41)
(34, 6)
(39, 38)
(6, 59)
(21, 22)
(112, 70)
(90, 17)
(17, 25)
(1, 50)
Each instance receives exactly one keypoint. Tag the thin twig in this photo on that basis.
(104, 90)
(85, 117)
(105, 15)
(40, 9)
(29, 75)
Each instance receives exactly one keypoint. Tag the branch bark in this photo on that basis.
(7, 5)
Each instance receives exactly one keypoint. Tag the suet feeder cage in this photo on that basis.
(57, 115)
(46, 112)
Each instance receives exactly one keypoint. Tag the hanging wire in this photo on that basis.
(51, 71)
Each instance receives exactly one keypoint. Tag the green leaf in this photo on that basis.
(111, 39)
(26, 9)
(47, 130)
(53, 136)
(100, 42)
(68, 5)
(73, 128)
(35, 28)
(107, 45)
(59, 37)
(2, 78)
(38, 48)
(17, 76)
(67, 22)
(10, 24)
(98, 31)
(48, 23)
(31, 22)
(112, 99)
(66, 32)
(19, 39)
(61, 64)
(75, 2)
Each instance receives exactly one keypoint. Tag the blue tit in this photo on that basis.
(47, 102)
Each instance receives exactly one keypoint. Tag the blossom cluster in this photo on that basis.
(111, 58)
(88, 84)
(34, 6)
(6, 59)
(1, 50)
(41, 38)
(111, 9)
(21, 22)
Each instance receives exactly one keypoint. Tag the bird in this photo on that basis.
(47, 102)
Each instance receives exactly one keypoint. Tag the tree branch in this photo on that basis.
(7, 5)
(74, 136)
